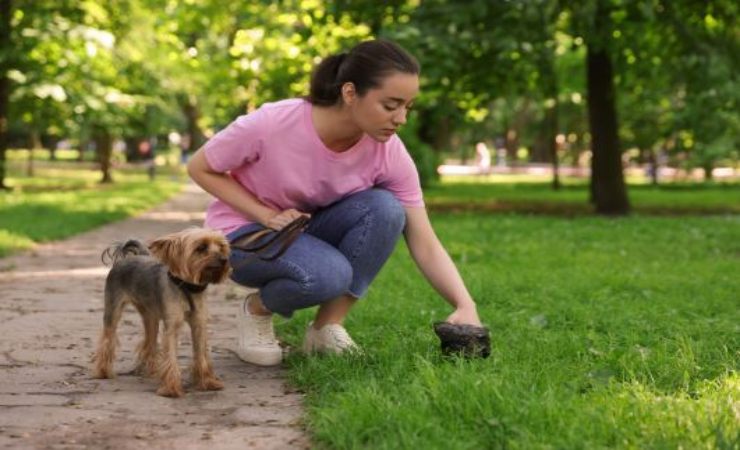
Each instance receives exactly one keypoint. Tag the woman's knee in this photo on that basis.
(385, 208)
(329, 278)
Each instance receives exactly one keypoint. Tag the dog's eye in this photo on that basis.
(202, 248)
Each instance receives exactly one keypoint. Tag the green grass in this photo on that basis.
(57, 203)
(533, 195)
(19, 157)
(606, 334)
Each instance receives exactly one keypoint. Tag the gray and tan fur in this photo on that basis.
(195, 258)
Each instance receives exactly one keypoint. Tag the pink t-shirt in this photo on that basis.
(276, 154)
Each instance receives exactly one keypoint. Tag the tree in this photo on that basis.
(6, 63)
(593, 21)
(707, 46)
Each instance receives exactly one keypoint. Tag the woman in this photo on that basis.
(334, 157)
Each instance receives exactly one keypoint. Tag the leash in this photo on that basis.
(282, 238)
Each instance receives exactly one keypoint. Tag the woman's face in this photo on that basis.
(381, 111)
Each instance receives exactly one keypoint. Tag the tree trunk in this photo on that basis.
(708, 168)
(551, 119)
(34, 144)
(50, 143)
(435, 130)
(540, 149)
(608, 190)
(463, 153)
(511, 143)
(442, 135)
(6, 49)
(104, 149)
(551, 113)
(512, 136)
(652, 162)
(84, 144)
(192, 113)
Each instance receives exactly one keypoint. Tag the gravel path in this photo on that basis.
(50, 317)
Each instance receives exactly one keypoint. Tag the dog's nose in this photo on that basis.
(218, 263)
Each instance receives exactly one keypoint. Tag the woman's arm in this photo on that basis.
(225, 188)
(437, 266)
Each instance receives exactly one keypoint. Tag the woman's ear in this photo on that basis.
(349, 94)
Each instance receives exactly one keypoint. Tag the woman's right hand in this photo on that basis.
(281, 219)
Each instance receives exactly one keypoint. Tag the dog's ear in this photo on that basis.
(169, 249)
(164, 248)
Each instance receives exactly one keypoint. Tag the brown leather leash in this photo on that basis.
(283, 237)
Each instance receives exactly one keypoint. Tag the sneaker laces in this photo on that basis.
(264, 333)
(261, 326)
(340, 336)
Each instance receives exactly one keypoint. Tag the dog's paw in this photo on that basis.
(145, 369)
(169, 391)
(209, 384)
(103, 374)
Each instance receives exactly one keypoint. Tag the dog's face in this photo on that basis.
(196, 255)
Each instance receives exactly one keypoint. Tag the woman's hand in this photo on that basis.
(465, 315)
(279, 220)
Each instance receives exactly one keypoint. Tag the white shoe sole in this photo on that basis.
(260, 358)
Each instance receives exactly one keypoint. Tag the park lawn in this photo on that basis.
(534, 195)
(55, 204)
(606, 333)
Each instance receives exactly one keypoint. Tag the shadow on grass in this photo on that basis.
(568, 209)
(572, 199)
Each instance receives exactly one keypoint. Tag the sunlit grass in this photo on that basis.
(19, 157)
(606, 334)
(57, 203)
(530, 194)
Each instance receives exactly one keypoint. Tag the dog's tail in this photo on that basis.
(120, 250)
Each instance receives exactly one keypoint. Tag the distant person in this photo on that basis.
(184, 148)
(482, 158)
(146, 153)
(333, 156)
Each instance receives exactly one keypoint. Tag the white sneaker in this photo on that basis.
(332, 338)
(257, 342)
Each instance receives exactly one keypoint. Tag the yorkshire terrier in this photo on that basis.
(165, 282)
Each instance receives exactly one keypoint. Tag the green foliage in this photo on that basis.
(606, 333)
(678, 89)
(425, 158)
(240, 55)
(140, 68)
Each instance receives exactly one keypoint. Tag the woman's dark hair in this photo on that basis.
(365, 65)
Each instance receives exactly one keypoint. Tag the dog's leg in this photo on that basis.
(146, 353)
(106, 351)
(203, 377)
(169, 371)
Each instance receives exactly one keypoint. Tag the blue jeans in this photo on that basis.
(340, 252)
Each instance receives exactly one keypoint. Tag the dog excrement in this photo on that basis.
(469, 341)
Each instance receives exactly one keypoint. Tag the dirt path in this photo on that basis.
(50, 317)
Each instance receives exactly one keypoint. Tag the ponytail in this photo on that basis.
(325, 87)
(365, 66)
